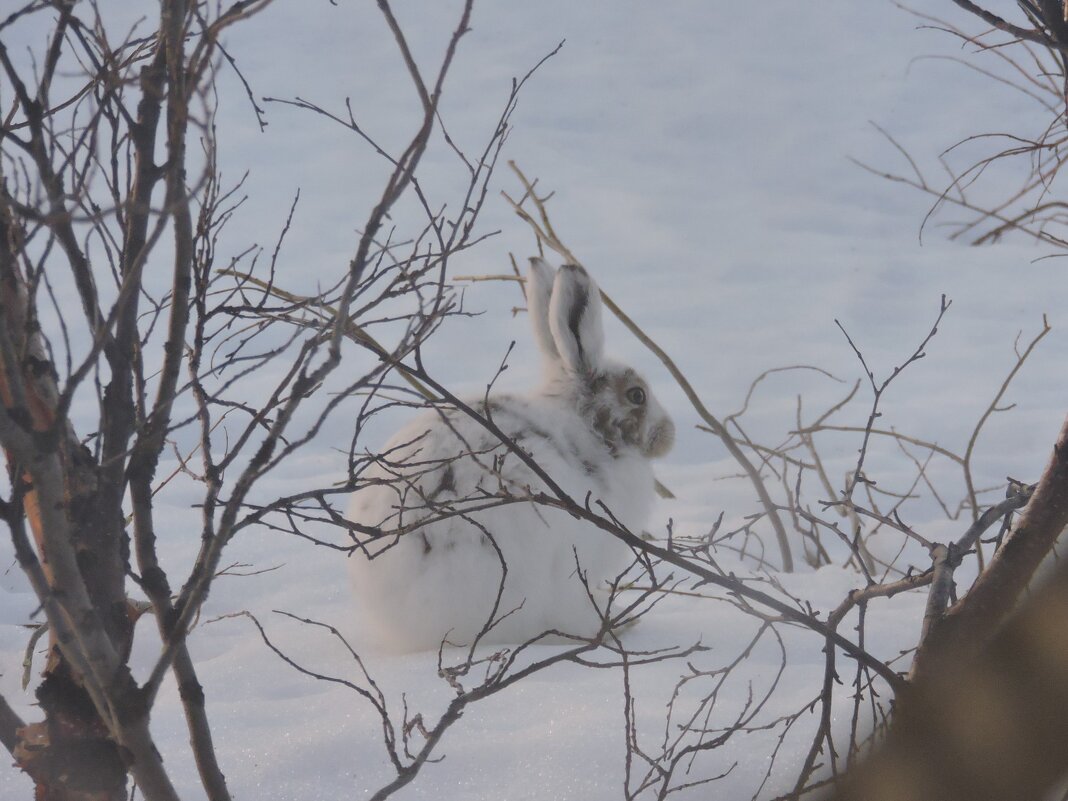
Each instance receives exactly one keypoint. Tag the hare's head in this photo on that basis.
(565, 312)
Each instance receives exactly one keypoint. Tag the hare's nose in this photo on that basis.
(661, 439)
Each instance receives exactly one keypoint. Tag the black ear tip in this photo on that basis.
(574, 268)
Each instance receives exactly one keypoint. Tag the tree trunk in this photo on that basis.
(985, 719)
(70, 755)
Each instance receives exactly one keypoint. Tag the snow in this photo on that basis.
(700, 155)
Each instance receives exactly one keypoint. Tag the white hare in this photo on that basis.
(446, 544)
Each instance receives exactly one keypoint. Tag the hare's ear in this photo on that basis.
(575, 320)
(539, 289)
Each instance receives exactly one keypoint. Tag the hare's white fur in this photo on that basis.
(441, 579)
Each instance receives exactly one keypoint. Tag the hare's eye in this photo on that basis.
(636, 395)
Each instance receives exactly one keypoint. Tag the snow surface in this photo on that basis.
(700, 156)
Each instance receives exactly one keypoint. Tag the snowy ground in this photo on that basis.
(700, 154)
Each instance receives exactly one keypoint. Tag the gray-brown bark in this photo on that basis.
(971, 623)
(984, 720)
